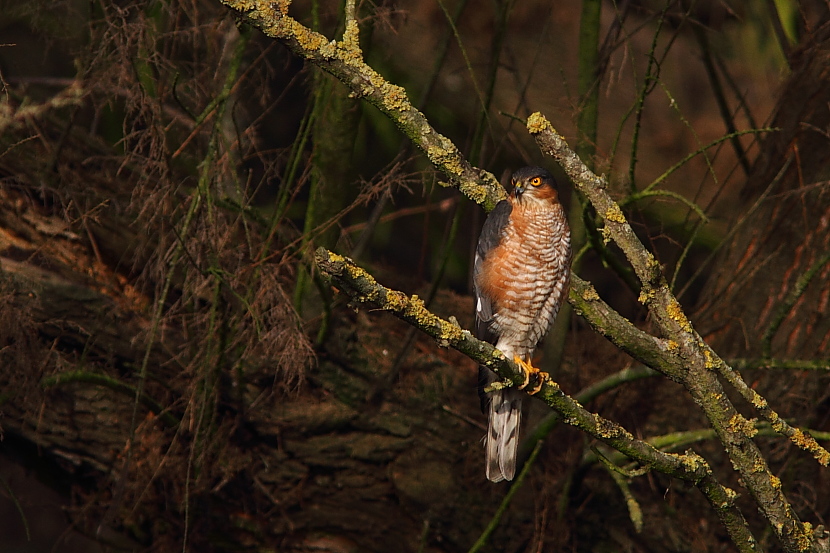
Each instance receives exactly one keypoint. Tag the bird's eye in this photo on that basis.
(535, 181)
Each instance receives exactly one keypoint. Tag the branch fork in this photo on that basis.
(679, 352)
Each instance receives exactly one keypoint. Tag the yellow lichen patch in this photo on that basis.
(335, 258)
(672, 345)
(537, 123)
(395, 98)
(396, 301)
(709, 359)
(822, 456)
(351, 36)
(614, 213)
(741, 425)
(590, 294)
(608, 429)
(356, 273)
(351, 56)
(646, 295)
(759, 466)
(776, 423)
(676, 314)
(416, 309)
(775, 482)
(805, 539)
(801, 439)
(652, 263)
(692, 461)
(310, 40)
(448, 158)
(606, 234)
(475, 193)
(450, 333)
(280, 5)
(243, 5)
(757, 400)
(808, 443)
(730, 495)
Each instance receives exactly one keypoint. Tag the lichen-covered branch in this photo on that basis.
(344, 60)
(362, 288)
(700, 361)
(679, 352)
(798, 437)
(652, 351)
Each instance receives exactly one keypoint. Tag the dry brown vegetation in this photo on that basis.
(182, 378)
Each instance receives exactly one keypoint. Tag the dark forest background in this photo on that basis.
(176, 375)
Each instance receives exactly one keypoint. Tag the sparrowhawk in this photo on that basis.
(520, 276)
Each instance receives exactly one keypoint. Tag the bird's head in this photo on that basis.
(533, 184)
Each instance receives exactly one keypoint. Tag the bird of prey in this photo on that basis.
(521, 275)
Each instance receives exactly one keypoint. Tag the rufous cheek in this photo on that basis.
(546, 193)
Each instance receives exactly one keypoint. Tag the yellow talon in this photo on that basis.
(528, 369)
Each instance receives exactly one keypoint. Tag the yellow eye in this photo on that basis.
(535, 181)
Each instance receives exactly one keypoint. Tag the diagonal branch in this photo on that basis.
(362, 288)
(680, 352)
(702, 364)
(344, 60)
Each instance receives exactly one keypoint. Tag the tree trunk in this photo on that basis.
(768, 293)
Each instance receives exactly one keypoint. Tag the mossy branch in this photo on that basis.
(700, 362)
(680, 352)
(362, 288)
(344, 60)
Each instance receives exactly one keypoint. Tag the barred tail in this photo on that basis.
(503, 434)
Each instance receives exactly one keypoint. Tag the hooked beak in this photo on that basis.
(519, 189)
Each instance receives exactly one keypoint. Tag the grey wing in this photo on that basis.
(491, 234)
